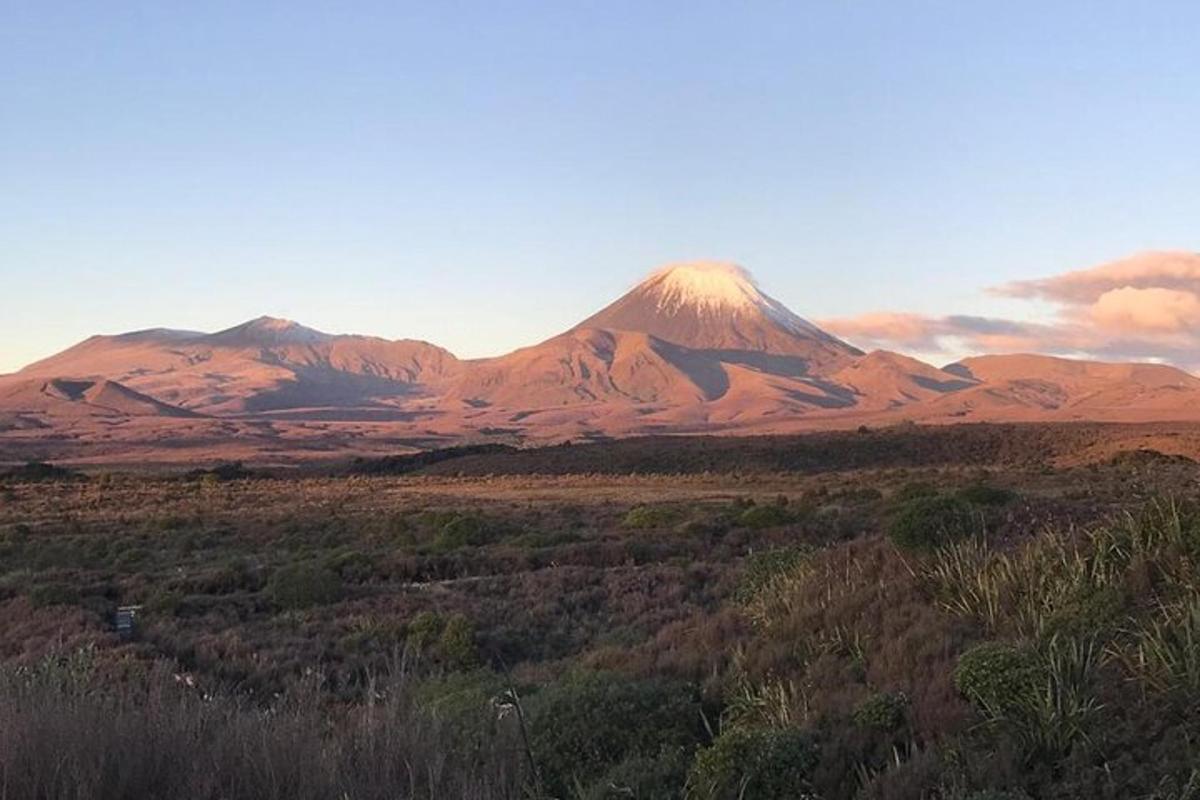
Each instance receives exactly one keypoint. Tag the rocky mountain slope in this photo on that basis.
(694, 348)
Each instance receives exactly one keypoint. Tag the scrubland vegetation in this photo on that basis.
(955, 632)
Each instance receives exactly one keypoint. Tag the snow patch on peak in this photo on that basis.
(714, 287)
(266, 323)
(269, 331)
(707, 285)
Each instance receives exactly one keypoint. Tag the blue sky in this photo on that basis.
(483, 175)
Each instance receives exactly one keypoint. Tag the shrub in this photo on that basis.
(461, 531)
(930, 522)
(456, 645)
(423, 630)
(54, 594)
(38, 472)
(768, 516)
(883, 711)
(642, 517)
(352, 565)
(763, 763)
(644, 778)
(996, 675)
(588, 723)
(914, 490)
(983, 494)
(762, 568)
(303, 585)
(231, 471)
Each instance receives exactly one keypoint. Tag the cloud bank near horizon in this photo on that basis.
(1146, 307)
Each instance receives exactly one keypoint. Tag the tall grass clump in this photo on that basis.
(1163, 652)
(1069, 581)
(66, 733)
(810, 581)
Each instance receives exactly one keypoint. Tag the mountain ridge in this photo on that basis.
(696, 347)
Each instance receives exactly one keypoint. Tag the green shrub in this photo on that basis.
(461, 531)
(642, 517)
(931, 522)
(996, 675)
(761, 569)
(164, 602)
(456, 644)
(587, 724)
(463, 701)
(768, 516)
(54, 594)
(536, 540)
(352, 565)
(643, 778)
(883, 711)
(303, 585)
(763, 763)
(983, 494)
(914, 490)
(40, 471)
(424, 630)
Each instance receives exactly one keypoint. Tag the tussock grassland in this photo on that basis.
(979, 631)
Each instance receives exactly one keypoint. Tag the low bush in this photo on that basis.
(298, 586)
(461, 531)
(884, 711)
(762, 568)
(447, 640)
(984, 494)
(39, 472)
(587, 724)
(766, 516)
(914, 490)
(456, 644)
(930, 522)
(996, 675)
(54, 594)
(763, 763)
(643, 517)
(643, 777)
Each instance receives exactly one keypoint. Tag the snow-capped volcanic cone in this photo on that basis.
(714, 305)
(690, 343)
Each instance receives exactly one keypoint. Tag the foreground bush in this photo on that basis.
(996, 675)
(763, 763)
(592, 724)
(927, 523)
(302, 585)
(884, 711)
